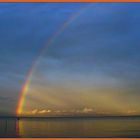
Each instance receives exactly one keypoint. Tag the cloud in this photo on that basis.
(34, 111)
(44, 111)
(87, 110)
(60, 111)
(38, 111)
(99, 46)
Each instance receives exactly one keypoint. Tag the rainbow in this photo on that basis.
(28, 78)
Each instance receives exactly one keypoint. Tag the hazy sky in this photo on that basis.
(92, 66)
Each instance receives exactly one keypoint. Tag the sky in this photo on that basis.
(91, 66)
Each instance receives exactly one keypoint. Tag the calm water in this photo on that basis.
(70, 127)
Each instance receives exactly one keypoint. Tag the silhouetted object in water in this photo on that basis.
(17, 127)
(5, 130)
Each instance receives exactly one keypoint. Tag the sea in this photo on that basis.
(68, 127)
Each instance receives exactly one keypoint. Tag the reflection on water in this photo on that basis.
(70, 127)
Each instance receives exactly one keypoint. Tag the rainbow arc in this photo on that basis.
(28, 78)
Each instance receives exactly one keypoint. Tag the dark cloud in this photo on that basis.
(106, 42)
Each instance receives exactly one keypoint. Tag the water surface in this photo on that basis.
(70, 127)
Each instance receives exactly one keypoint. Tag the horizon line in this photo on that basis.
(70, 116)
